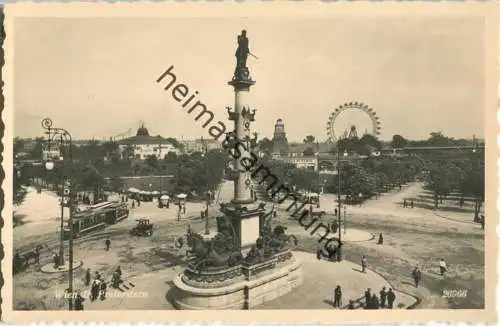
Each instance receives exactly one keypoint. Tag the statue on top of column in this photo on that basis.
(242, 52)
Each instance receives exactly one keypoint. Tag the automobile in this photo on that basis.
(143, 228)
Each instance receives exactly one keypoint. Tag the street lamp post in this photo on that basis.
(339, 209)
(207, 194)
(65, 136)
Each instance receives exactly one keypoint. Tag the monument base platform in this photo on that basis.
(239, 287)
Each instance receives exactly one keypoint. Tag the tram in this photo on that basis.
(96, 217)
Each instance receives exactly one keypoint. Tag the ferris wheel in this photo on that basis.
(352, 131)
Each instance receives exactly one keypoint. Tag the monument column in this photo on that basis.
(242, 118)
(243, 211)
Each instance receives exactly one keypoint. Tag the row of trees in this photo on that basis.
(92, 172)
(466, 176)
(368, 143)
(371, 176)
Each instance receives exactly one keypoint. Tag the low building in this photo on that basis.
(301, 162)
(142, 145)
(200, 145)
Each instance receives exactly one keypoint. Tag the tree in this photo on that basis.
(442, 178)
(438, 139)
(358, 180)
(116, 183)
(473, 184)
(128, 152)
(37, 151)
(398, 141)
(369, 140)
(266, 145)
(18, 179)
(152, 163)
(309, 139)
(170, 157)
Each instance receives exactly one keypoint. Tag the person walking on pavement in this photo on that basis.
(108, 244)
(374, 302)
(380, 239)
(391, 297)
(383, 297)
(79, 302)
(416, 274)
(337, 302)
(364, 263)
(368, 298)
(102, 289)
(37, 255)
(87, 277)
(442, 266)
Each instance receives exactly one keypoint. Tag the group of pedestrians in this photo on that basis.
(372, 301)
(384, 300)
(408, 203)
(98, 286)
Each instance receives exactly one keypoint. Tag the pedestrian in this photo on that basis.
(380, 239)
(319, 253)
(119, 271)
(87, 277)
(364, 263)
(97, 276)
(442, 266)
(184, 208)
(108, 243)
(374, 302)
(103, 290)
(202, 214)
(133, 203)
(94, 290)
(411, 203)
(404, 203)
(417, 275)
(79, 302)
(336, 211)
(37, 255)
(391, 297)
(350, 306)
(115, 279)
(383, 297)
(337, 302)
(55, 260)
(335, 226)
(368, 298)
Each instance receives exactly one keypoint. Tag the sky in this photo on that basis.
(96, 77)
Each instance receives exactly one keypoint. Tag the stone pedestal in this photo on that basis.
(246, 222)
(239, 287)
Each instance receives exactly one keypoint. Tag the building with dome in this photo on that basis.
(143, 145)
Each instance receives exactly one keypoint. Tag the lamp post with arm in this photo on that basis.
(339, 208)
(207, 193)
(65, 137)
(49, 166)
